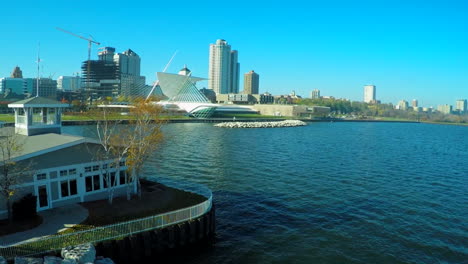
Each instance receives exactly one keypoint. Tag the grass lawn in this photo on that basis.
(9, 118)
(18, 226)
(252, 116)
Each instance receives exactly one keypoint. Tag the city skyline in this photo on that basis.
(411, 50)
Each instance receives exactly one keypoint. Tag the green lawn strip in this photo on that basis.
(253, 116)
(445, 123)
(9, 118)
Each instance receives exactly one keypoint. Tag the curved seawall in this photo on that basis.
(166, 243)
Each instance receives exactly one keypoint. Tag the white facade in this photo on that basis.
(402, 105)
(445, 109)
(223, 71)
(461, 105)
(369, 93)
(69, 83)
(315, 94)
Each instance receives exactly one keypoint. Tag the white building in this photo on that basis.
(64, 169)
(315, 94)
(369, 93)
(69, 83)
(402, 105)
(461, 106)
(445, 109)
(223, 71)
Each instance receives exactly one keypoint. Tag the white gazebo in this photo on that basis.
(38, 115)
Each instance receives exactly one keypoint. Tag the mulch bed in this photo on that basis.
(156, 198)
(18, 226)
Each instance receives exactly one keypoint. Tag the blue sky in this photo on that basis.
(409, 49)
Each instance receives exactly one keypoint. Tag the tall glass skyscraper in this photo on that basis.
(223, 72)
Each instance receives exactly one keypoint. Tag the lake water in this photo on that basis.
(327, 192)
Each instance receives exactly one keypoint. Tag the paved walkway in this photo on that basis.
(53, 220)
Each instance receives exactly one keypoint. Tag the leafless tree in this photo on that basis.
(10, 146)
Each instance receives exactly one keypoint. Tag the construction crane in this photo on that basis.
(90, 41)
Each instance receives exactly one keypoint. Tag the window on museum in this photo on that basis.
(63, 173)
(71, 171)
(88, 169)
(96, 168)
(122, 163)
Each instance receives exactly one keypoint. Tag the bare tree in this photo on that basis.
(141, 138)
(10, 145)
(107, 127)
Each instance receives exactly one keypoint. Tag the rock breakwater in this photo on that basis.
(285, 123)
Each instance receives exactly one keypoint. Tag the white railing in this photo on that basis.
(119, 230)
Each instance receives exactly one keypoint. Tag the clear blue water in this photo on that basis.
(327, 192)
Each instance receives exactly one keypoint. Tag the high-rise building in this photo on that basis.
(16, 73)
(235, 72)
(131, 83)
(69, 83)
(100, 79)
(47, 87)
(445, 109)
(461, 106)
(315, 94)
(113, 75)
(223, 71)
(251, 82)
(414, 103)
(369, 93)
(18, 86)
(403, 105)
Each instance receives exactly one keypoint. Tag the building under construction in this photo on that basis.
(112, 75)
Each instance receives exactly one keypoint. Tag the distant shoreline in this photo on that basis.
(220, 120)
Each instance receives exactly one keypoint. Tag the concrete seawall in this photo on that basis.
(171, 243)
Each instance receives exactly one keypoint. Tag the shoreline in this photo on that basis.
(221, 120)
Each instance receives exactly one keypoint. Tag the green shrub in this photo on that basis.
(25, 208)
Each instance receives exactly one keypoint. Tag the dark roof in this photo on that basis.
(78, 154)
(40, 102)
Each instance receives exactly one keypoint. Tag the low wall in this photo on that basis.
(171, 242)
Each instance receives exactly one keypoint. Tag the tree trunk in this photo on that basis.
(138, 187)
(10, 215)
